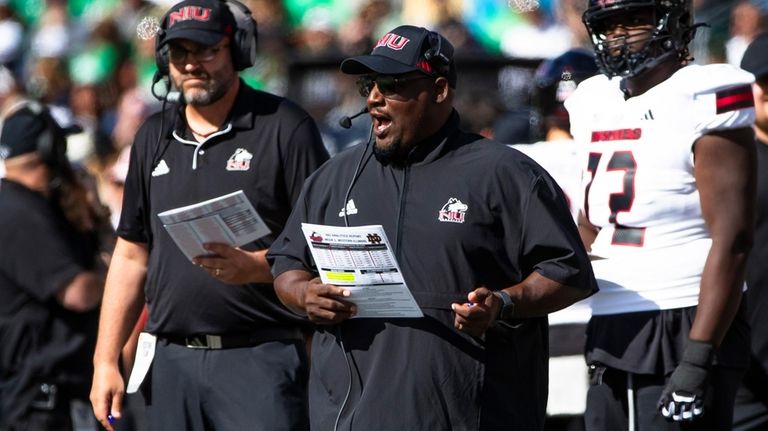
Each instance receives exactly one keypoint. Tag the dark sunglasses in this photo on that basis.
(388, 85)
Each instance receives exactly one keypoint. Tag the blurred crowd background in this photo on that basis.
(85, 59)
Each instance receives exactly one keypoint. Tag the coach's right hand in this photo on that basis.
(107, 391)
(324, 305)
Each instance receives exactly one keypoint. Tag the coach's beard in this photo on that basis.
(204, 95)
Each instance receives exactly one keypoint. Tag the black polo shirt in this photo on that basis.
(40, 341)
(465, 212)
(267, 148)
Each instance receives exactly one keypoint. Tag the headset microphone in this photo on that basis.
(171, 96)
(175, 97)
(346, 122)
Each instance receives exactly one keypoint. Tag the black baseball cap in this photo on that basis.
(755, 59)
(401, 51)
(20, 132)
(201, 21)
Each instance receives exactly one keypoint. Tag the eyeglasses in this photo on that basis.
(178, 54)
(388, 85)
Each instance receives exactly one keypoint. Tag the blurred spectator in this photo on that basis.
(746, 22)
(49, 81)
(569, 13)
(51, 283)
(11, 36)
(537, 36)
(430, 13)
(459, 35)
(316, 36)
(356, 36)
(132, 110)
(52, 36)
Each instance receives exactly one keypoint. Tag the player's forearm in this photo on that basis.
(720, 295)
(725, 176)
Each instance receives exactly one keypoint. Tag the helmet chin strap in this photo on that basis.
(650, 63)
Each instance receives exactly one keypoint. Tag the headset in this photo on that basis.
(435, 55)
(243, 46)
(51, 143)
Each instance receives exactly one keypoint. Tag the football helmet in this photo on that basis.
(554, 81)
(672, 32)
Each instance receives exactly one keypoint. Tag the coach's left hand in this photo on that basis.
(479, 312)
(233, 265)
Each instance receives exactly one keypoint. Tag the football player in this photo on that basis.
(668, 210)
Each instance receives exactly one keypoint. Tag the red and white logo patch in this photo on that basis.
(392, 41)
(240, 161)
(454, 211)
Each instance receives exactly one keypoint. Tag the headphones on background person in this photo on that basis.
(242, 47)
(50, 143)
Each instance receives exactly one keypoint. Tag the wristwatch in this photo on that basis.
(507, 305)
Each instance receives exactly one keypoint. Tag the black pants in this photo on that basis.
(251, 388)
(750, 413)
(608, 404)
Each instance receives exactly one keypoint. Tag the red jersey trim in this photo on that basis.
(734, 98)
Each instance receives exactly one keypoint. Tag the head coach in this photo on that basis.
(228, 355)
(486, 244)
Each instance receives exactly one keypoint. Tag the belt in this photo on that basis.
(233, 341)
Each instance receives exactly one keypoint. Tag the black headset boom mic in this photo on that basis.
(346, 122)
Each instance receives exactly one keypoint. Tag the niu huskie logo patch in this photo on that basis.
(240, 161)
(454, 211)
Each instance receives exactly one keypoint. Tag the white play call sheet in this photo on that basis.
(360, 259)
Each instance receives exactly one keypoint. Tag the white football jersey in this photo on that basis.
(560, 159)
(638, 182)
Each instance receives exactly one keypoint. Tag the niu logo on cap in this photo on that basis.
(197, 13)
(392, 41)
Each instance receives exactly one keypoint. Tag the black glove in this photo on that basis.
(683, 397)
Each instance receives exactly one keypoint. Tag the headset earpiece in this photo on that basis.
(161, 52)
(434, 55)
(51, 142)
(244, 37)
